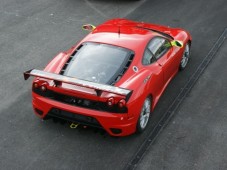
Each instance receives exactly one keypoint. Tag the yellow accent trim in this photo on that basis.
(73, 126)
(174, 43)
(88, 25)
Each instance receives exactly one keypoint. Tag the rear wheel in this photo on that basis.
(185, 57)
(144, 115)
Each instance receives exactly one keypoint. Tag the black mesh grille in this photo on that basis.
(80, 102)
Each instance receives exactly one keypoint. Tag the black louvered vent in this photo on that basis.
(116, 79)
(122, 72)
(68, 61)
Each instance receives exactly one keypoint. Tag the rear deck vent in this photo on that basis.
(68, 61)
(122, 72)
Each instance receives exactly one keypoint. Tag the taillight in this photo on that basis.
(122, 103)
(43, 86)
(35, 84)
(110, 101)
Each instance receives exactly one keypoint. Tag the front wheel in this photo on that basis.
(144, 115)
(185, 57)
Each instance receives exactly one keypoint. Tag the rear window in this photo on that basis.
(98, 62)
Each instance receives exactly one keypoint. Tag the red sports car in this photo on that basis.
(113, 78)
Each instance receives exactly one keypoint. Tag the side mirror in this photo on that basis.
(88, 27)
(177, 43)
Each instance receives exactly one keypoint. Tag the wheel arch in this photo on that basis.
(150, 95)
(190, 42)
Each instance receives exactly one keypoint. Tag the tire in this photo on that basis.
(144, 115)
(185, 57)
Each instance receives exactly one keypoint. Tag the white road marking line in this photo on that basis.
(121, 10)
(96, 9)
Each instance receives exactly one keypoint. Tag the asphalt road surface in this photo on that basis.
(32, 32)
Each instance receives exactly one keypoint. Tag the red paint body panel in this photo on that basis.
(149, 80)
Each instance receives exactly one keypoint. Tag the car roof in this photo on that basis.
(122, 32)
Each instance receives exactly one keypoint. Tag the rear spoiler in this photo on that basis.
(99, 88)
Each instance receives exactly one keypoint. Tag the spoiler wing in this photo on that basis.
(99, 88)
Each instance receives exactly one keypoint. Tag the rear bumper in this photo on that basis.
(114, 123)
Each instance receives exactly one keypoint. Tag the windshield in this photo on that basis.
(99, 63)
